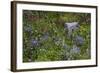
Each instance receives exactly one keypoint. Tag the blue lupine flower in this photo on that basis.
(75, 50)
(79, 40)
(71, 27)
(65, 26)
(34, 42)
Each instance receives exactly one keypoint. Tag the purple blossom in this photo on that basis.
(75, 50)
(34, 42)
(65, 26)
(71, 27)
(79, 40)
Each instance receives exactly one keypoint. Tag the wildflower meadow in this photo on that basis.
(56, 36)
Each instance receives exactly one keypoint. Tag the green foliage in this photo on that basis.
(45, 37)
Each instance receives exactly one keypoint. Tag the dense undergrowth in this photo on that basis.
(56, 36)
